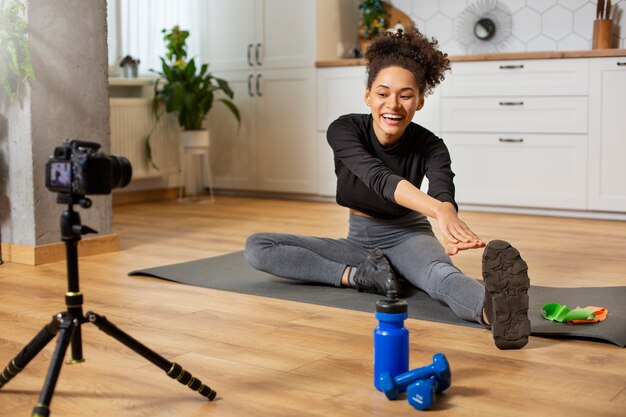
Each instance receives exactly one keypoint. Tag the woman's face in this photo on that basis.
(393, 98)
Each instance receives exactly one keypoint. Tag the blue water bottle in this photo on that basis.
(391, 338)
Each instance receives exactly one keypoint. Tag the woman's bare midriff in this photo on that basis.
(358, 213)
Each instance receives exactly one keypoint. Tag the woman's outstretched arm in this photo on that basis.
(457, 235)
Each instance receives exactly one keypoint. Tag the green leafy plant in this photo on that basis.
(374, 18)
(15, 64)
(185, 89)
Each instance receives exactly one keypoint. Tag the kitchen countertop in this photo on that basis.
(594, 53)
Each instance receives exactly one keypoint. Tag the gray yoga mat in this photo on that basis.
(232, 273)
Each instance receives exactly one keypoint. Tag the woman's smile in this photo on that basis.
(394, 98)
(393, 119)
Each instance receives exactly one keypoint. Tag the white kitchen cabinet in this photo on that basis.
(517, 132)
(533, 77)
(266, 50)
(523, 170)
(259, 34)
(231, 34)
(340, 91)
(234, 158)
(607, 130)
(274, 149)
(285, 124)
(515, 114)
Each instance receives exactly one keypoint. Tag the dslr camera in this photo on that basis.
(77, 168)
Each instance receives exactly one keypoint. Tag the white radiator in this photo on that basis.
(131, 121)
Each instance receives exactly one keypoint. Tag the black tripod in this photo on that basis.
(67, 324)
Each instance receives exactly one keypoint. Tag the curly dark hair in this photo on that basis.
(412, 51)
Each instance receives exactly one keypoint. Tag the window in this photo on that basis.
(134, 28)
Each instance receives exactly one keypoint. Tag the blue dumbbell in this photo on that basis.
(421, 394)
(440, 368)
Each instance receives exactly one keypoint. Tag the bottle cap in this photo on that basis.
(392, 304)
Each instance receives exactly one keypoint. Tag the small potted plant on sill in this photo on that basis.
(187, 91)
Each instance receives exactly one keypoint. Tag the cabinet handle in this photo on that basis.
(250, 93)
(511, 140)
(511, 103)
(621, 64)
(505, 67)
(250, 54)
(258, 85)
(257, 54)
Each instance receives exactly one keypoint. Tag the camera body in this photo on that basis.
(78, 168)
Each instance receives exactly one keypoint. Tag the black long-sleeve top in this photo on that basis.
(368, 173)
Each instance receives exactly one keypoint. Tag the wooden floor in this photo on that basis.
(267, 357)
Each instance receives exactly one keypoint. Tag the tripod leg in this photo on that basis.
(42, 409)
(173, 370)
(31, 350)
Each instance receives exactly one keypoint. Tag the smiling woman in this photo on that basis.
(381, 160)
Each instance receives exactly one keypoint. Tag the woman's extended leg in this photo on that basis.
(421, 260)
(306, 258)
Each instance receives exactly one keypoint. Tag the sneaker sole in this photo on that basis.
(505, 274)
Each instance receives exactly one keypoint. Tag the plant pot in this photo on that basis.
(130, 70)
(195, 138)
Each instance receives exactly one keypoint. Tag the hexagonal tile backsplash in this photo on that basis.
(537, 25)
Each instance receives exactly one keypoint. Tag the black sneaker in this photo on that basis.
(506, 294)
(375, 275)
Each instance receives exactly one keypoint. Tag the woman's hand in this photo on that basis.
(457, 235)
(454, 248)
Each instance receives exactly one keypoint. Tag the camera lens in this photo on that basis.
(121, 171)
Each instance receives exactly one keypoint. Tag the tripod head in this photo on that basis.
(71, 199)
(71, 228)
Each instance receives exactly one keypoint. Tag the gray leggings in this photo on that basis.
(408, 242)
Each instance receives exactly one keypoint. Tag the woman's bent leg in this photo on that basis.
(305, 258)
(421, 260)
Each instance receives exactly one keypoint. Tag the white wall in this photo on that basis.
(537, 25)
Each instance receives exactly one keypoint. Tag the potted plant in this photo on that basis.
(15, 64)
(374, 21)
(187, 91)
